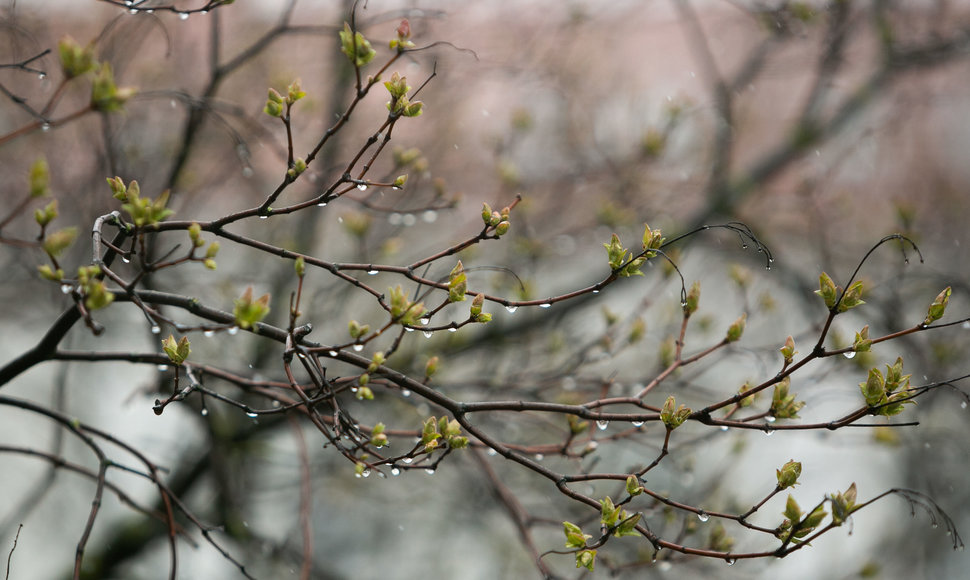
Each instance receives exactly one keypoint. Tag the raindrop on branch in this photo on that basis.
(849, 355)
(511, 309)
(602, 425)
(358, 347)
(702, 516)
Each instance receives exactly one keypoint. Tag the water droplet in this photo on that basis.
(395, 471)
(849, 355)
(429, 471)
(724, 427)
(162, 368)
(730, 561)
(429, 216)
(125, 259)
(42, 76)
(332, 352)
(322, 204)
(358, 347)
(156, 329)
(546, 305)
(768, 432)
(204, 12)
(205, 412)
(602, 425)
(66, 288)
(252, 414)
(262, 217)
(963, 404)
(965, 325)
(934, 525)
(665, 566)
(407, 460)
(362, 186)
(247, 172)
(427, 333)
(540, 457)
(132, 11)
(702, 516)
(45, 127)
(183, 15)
(372, 272)
(927, 445)
(771, 418)
(637, 423)
(452, 329)
(511, 309)
(596, 291)
(491, 452)
(425, 320)
(366, 473)
(405, 392)
(209, 333)
(408, 329)
(233, 330)
(408, 219)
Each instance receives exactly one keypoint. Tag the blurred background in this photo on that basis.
(821, 126)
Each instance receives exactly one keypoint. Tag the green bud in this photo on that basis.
(400, 181)
(502, 228)
(652, 240)
(105, 95)
(96, 295)
(673, 418)
(299, 265)
(47, 214)
(609, 513)
(39, 178)
(457, 283)
(938, 307)
(586, 559)
(212, 250)
(431, 367)
(118, 189)
(357, 330)
(356, 47)
(248, 311)
(576, 425)
(476, 307)
(575, 538)
(209, 263)
(788, 351)
(633, 486)
(827, 290)
(693, 299)
(874, 388)
(637, 329)
(486, 214)
(299, 166)
(364, 393)
(783, 404)
(56, 242)
(788, 474)
(862, 343)
(177, 351)
(195, 234)
(47, 273)
(736, 329)
(377, 437)
(376, 361)
(75, 61)
(294, 93)
(852, 298)
(843, 504)
(272, 108)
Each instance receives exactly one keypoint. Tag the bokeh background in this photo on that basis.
(823, 127)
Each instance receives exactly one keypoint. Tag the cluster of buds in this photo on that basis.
(671, 417)
(576, 540)
(177, 352)
(783, 403)
(356, 47)
(143, 211)
(498, 220)
(435, 430)
(195, 235)
(400, 104)
(830, 294)
(403, 310)
(887, 395)
(96, 294)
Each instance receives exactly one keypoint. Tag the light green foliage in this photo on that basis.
(39, 178)
(736, 330)
(106, 96)
(783, 404)
(788, 474)
(621, 261)
(938, 307)
(75, 60)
